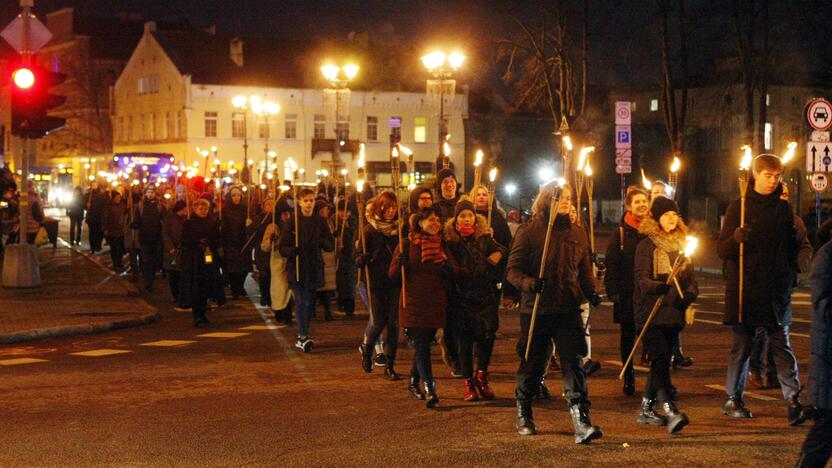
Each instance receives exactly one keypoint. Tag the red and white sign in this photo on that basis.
(819, 182)
(819, 114)
(623, 115)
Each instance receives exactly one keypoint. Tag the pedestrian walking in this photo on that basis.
(112, 222)
(75, 212)
(619, 278)
(238, 256)
(201, 244)
(427, 268)
(345, 275)
(172, 227)
(95, 201)
(312, 236)
(447, 196)
(262, 258)
(654, 257)
(280, 294)
(381, 237)
(474, 298)
(770, 263)
(148, 221)
(567, 282)
(326, 292)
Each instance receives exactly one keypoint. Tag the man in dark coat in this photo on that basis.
(95, 201)
(567, 282)
(446, 188)
(818, 445)
(148, 222)
(770, 263)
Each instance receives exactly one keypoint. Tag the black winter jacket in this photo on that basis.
(618, 279)
(820, 364)
(380, 249)
(314, 236)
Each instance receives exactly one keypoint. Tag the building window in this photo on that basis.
(320, 126)
(148, 84)
(180, 124)
(654, 105)
(210, 124)
(129, 128)
(238, 122)
(396, 129)
(767, 136)
(342, 129)
(153, 126)
(263, 128)
(165, 124)
(420, 130)
(141, 127)
(372, 128)
(290, 126)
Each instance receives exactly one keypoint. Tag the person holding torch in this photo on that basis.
(552, 294)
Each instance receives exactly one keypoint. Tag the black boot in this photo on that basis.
(431, 398)
(735, 408)
(797, 413)
(366, 357)
(585, 432)
(414, 389)
(629, 382)
(649, 415)
(676, 420)
(390, 372)
(524, 422)
(543, 391)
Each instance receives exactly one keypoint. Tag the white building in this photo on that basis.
(175, 94)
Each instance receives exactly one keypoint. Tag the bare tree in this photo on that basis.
(748, 29)
(675, 112)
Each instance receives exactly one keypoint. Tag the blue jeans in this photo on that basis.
(362, 293)
(781, 350)
(304, 310)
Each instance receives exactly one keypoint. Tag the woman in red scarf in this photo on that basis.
(619, 277)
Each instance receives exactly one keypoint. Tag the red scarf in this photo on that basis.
(431, 247)
(464, 231)
(631, 220)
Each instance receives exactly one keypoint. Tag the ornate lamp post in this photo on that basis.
(338, 79)
(442, 67)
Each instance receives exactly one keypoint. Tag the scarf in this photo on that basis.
(431, 247)
(388, 228)
(464, 231)
(631, 220)
(665, 245)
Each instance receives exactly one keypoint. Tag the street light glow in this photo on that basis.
(545, 174)
(330, 72)
(239, 101)
(433, 60)
(351, 70)
(271, 108)
(455, 60)
(510, 189)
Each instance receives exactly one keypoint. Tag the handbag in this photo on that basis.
(42, 237)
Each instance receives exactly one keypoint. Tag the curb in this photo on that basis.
(57, 332)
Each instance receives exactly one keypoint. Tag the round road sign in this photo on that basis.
(819, 114)
(819, 182)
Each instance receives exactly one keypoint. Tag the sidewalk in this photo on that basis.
(77, 296)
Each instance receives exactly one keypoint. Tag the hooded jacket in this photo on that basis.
(234, 237)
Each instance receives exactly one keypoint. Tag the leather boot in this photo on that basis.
(431, 398)
(735, 408)
(414, 389)
(543, 391)
(676, 420)
(585, 432)
(366, 358)
(649, 415)
(470, 390)
(797, 413)
(525, 422)
(629, 383)
(482, 386)
(390, 372)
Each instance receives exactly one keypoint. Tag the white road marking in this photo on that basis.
(101, 352)
(708, 312)
(262, 327)
(712, 322)
(168, 343)
(18, 361)
(748, 394)
(222, 335)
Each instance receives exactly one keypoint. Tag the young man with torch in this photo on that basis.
(552, 293)
(759, 248)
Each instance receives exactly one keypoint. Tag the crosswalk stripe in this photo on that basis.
(168, 343)
(756, 396)
(620, 364)
(263, 327)
(222, 335)
(101, 352)
(708, 312)
(712, 322)
(18, 361)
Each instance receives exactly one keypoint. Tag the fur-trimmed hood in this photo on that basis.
(650, 227)
(480, 225)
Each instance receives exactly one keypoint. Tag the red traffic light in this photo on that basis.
(23, 78)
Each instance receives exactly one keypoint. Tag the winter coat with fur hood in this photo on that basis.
(648, 276)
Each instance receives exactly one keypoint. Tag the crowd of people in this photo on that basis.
(440, 264)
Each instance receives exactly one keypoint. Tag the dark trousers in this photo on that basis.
(324, 298)
(237, 281)
(385, 316)
(659, 343)
(75, 230)
(628, 338)
(420, 340)
(134, 255)
(151, 262)
(761, 358)
(116, 252)
(817, 448)
(468, 343)
(451, 347)
(174, 277)
(784, 360)
(566, 329)
(304, 309)
(201, 291)
(96, 233)
(265, 283)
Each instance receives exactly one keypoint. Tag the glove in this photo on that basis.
(662, 277)
(537, 285)
(683, 302)
(290, 251)
(362, 260)
(662, 289)
(595, 299)
(403, 259)
(741, 234)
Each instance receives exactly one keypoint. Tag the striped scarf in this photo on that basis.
(431, 247)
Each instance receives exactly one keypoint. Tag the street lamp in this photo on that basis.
(338, 79)
(264, 110)
(441, 67)
(241, 103)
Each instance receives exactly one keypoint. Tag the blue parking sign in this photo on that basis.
(623, 136)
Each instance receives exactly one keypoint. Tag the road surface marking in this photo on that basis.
(802, 335)
(101, 352)
(796, 320)
(261, 327)
(708, 287)
(710, 295)
(712, 322)
(619, 364)
(801, 294)
(802, 303)
(222, 335)
(168, 343)
(18, 361)
(748, 394)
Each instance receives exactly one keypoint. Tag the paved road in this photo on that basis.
(238, 393)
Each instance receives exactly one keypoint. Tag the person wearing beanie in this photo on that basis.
(172, 250)
(446, 189)
(474, 299)
(655, 256)
(254, 237)
(566, 283)
(770, 264)
(280, 294)
(234, 223)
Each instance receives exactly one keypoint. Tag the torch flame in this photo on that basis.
(359, 184)
(645, 181)
(567, 142)
(587, 170)
(395, 152)
(674, 168)
(446, 149)
(745, 163)
(583, 157)
(789, 153)
(492, 174)
(478, 158)
(690, 245)
(404, 149)
(361, 156)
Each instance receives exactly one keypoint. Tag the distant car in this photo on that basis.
(821, 113)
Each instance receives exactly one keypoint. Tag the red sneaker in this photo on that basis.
(482, 386)
(470, 390)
